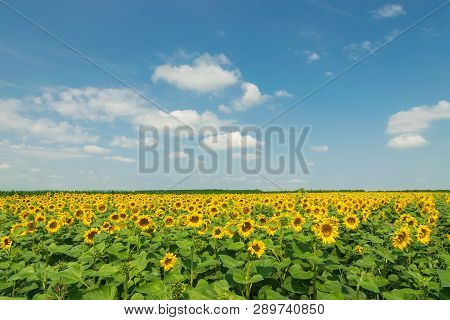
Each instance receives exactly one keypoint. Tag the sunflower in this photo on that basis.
(401, 238)
(194, 220)
(101, 208)
(257, 248)
(246, 228)
(358, 249)
(5, 242)
(89, 235)
(168, 221)
(168, 261)
(144, 222)
(423, 234)
(297, 222)
(53, 225)
(218, 233)
(327, 230)
(351, 221)
(105, 226)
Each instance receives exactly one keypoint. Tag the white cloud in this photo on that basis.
(206, 74)
(43, 129)
(230, 140)
(283, 93)
(123, 142)
(418, 119)
(46, 153)
(223, 108)
(251, 96)
(313, 56)
(34, 170)
(93, 149)
(388, 11)
(323, 148)
(108, 105)
(121, 159)
(356, 50)
(4, 166)
(406, 141)
(328, 74)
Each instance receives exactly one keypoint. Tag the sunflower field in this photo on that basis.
(331, 245)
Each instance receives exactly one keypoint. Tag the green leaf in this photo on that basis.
(155, 290)
(235, 246)
(444, 277)
(298, 273)
(71, 275)
(239, 276)
(184, 244)
(107, 270)
(229, 262)
(369, 284)
(102, 293)
(400, 294)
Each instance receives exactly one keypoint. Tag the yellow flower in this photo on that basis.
(327, 230)
(168, 221)
(5, 242)
(297, 222)
(358, 249)
(423, 234)
(168, 261)
(401, 238)
(144, 222)
(53, 225)
(246, 228)
(257, 248)
(90, 234)
(217, 233)
(194, 220)
(351, 221)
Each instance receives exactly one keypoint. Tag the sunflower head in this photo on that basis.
(358, 249)
(327, 230)
(169, 221)
(256, 248)
(53, 225)
(168, 261)
(401, 238)
(90, 234)
(194, 220)
(145, 222)
(246, 228)
(218, 233)
(423, 234)
(297, 222)
(351, 221)
(5, 242)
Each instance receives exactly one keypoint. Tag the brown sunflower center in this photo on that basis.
(326, 230)
(247, 226)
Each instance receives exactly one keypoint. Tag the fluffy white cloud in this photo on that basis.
(323, 148)
(45, 129)
(356, 50)
(328, 74)
(388, 11)
(123, 142)
(108, 105)
(251, 96)
(46, 153)
(418, 119)
(406, 141)
(313, 56)
(93, 149)
(283, 93)
(206, 74)
(223, 108)
(121, 159)
(230, 140)
(4, 166)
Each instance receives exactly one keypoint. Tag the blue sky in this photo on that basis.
(67, 125)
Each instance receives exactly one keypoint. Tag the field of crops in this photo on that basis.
(360, 245)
